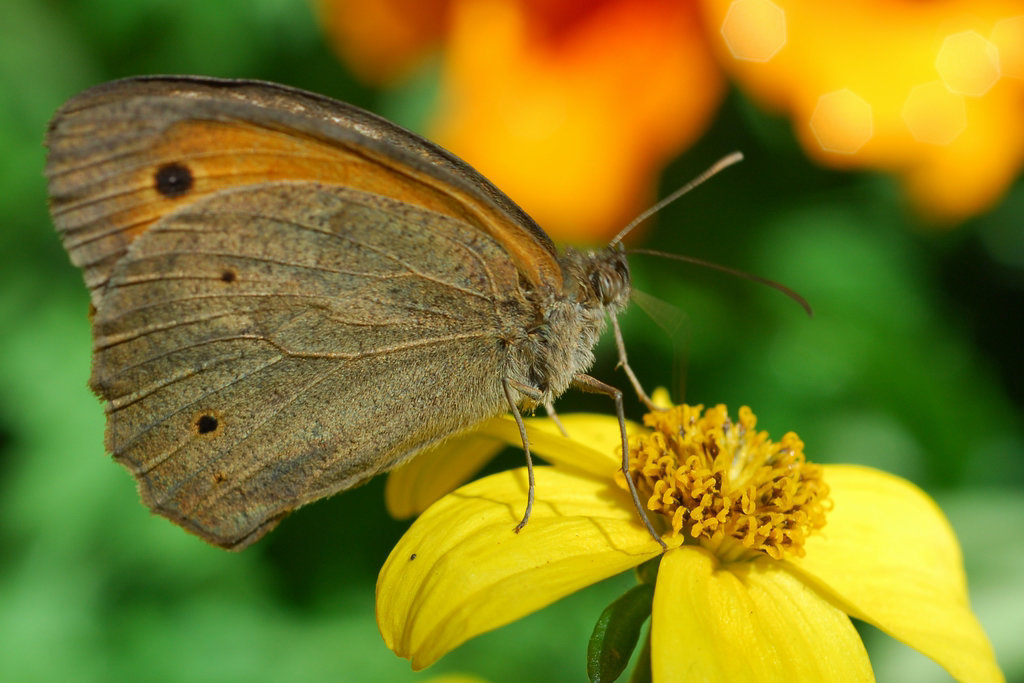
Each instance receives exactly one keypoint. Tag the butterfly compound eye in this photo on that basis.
(609, 278)
(600, 283)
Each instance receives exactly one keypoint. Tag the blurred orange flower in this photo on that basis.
(571, 107)
(574, 106)
(930, 91)
(384, 41)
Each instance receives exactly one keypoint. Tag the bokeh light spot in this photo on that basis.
(1008, 37)
(968, 63)
(754, 30)
(933, 114)
(842, 121)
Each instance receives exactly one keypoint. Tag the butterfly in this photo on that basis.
(291, 295)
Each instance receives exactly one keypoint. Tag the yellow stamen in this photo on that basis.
(729, 486)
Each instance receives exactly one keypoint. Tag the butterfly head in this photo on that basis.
(601, 277)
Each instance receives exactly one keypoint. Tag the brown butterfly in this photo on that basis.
(292, 294)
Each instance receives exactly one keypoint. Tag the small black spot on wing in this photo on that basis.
(173, 180)
(206, 424)
(228, 275)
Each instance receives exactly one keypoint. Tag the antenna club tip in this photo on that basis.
(730, 159)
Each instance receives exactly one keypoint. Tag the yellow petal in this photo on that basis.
(888, 556)
(593, 444)
(661, 398)
(461, 571)
(414, 486)
(596, 442)
(596, 431)
(750, 621)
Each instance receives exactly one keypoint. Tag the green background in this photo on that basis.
(911, 363)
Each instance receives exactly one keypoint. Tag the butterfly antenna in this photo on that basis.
(731, 271)
(717, 167)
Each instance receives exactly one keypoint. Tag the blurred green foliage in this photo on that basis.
(912, 363)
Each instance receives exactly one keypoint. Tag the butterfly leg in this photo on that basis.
(550, 408)
(531, 392)
(594, 386)
(624, 364)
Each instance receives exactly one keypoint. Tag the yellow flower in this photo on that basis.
(769, 556)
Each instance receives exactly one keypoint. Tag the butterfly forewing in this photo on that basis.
(124, 154)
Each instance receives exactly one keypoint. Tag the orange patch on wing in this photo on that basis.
(117, 200)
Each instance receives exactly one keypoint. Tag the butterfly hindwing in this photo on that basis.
(246, 344)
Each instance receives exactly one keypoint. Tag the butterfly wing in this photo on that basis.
(267, 346)
(126, 153)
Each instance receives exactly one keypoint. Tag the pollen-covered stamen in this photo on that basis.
(720, 480)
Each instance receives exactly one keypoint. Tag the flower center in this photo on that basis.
(729, 486)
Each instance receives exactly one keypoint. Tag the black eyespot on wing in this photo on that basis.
(228, 275)
(173, 180)
(206, 424)
(412, 557)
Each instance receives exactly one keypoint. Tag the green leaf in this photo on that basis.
(648, 571)
(642, 669)
(616, 633)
